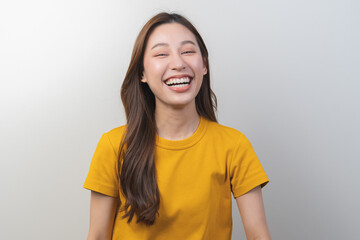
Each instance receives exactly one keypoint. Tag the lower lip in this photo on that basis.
(180, 89)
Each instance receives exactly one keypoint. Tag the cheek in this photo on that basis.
(154, 68)
(197, 65)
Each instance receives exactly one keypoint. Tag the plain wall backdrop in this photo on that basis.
(286, 74)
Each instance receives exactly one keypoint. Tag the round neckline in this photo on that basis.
(184, 143)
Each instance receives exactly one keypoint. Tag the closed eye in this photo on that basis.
(187, 52)
(161, 55)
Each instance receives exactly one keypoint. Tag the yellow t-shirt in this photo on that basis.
(196, 177)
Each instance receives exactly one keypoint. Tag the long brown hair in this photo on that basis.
(137, 149)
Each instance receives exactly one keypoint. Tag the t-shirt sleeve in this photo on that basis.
(103, 176)
(246, 171)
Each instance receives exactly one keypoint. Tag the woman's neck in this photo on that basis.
(176, 123)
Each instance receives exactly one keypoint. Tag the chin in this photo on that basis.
(182, 103)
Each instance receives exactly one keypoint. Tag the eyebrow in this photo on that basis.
(165, 44)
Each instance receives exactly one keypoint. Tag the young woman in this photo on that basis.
(169, 173)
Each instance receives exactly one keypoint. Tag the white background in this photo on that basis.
(286, 74)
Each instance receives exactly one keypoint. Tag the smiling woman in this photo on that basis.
(173, 65)
(172, 167)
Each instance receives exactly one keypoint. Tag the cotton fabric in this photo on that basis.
(197, 177)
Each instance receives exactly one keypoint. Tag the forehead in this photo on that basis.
(170, 33)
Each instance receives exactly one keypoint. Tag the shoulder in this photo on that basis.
(224, 132)
(117, 131)
(227, 137)
(116, 135)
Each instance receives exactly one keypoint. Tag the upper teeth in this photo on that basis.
(177, 80)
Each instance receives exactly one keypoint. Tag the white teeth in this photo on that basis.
(180, 85)
(178, 81)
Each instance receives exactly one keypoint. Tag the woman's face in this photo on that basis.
(173, 65)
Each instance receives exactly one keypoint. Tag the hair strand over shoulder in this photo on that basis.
(137, 170)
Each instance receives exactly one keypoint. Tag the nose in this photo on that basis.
(177, 63)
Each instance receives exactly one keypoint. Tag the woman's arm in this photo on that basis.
(102, 214)
(251, 208)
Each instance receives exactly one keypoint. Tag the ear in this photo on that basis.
(205, 70)
(143, 79)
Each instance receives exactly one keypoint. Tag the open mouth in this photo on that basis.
(178, 82)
